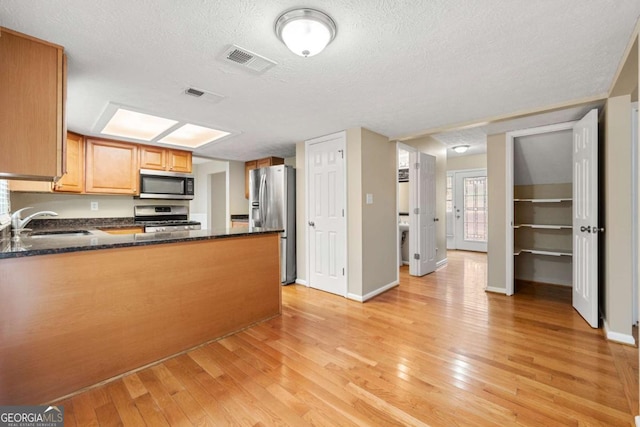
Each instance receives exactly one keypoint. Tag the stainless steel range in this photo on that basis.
(164, 218)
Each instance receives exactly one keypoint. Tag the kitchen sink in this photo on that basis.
(59, 233)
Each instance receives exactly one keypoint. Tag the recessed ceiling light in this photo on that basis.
(131, 124)
(193, 136)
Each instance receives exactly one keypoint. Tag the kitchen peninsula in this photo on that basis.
(78, 313)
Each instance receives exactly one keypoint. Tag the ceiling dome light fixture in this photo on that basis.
(306, 32)
(460, 148)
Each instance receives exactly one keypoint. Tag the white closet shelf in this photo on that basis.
(544, 226)
(549, 252)
(544, 200)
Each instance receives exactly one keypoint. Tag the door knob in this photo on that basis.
(587, 229)
(435, 220)
(311, 223)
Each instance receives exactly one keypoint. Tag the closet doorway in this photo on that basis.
(552, 210)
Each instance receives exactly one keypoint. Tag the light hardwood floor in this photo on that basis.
(436, 350)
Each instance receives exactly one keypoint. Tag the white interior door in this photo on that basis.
(470, 210)
(422, 211)
(585, 217)
(326, 222)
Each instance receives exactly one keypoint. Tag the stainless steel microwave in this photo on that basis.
(166, 185)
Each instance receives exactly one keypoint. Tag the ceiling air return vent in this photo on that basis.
(214, 98)
(247, 59)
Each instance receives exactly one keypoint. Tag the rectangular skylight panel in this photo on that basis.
(134, 125)
(193, 136)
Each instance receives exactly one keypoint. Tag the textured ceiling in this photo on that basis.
(395, 67)
(476, 136)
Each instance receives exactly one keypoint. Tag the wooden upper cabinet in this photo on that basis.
(179, 161)
(32, 78)
(111, 167)
(153, 157)
(158, 158)
(73, 179)
(256, 164)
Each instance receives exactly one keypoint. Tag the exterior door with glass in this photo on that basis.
(470, 210)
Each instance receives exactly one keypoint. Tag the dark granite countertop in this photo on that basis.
(30, 246)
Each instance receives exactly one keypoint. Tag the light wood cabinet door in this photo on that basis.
(153, 157)
(73, 180)
(179, 161)
(111, 167)
(32, 78)
(248, 166)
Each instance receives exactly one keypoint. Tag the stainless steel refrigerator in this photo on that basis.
(272, 204)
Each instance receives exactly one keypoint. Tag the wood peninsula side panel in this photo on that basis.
(75, 319)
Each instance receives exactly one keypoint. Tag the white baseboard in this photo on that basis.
(363, 298)
(301, 282)
(637, 420)
(617, 336)
(441, 263)
(496, 290)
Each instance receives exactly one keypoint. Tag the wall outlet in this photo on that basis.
(369, 198)
(94, 206)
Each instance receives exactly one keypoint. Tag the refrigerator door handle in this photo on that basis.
(263, 199)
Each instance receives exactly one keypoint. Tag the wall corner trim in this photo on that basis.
(617, 336)
(495, 290)
(372, 294)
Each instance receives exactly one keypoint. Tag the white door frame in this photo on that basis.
(635, 225)
(307, 144)
(405, 147)
(455, 195)
(510, 136)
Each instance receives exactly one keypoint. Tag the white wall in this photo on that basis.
(238, 204)
(474, 161)
(233, 201)
(543, 159)
(497, 196)
(200, 205)
(618, 264)
(79, 206)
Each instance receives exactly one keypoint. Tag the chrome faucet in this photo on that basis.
(18, 224)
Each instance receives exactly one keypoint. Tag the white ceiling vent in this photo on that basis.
(248, 59)
(211, 97)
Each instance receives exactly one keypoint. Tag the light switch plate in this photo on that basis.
(369, 198)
